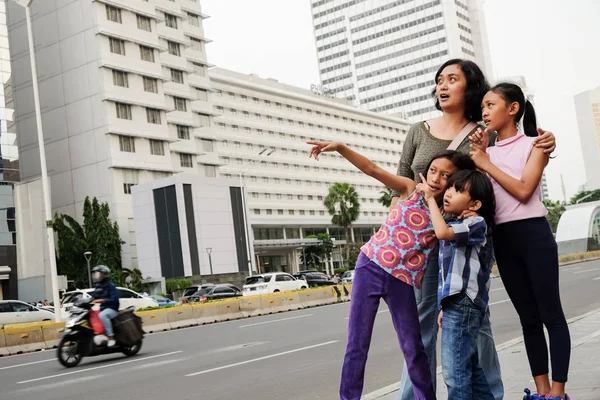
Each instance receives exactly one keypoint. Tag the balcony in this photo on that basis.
(209, 158)
(205, 132)
(180, 118)
(170, 7)
(179, 90)
(172, 61)
(127, 32)
(172, 34)
(184, 146)
(197, 56)
(203, 107)
(135, 97)
(199, 81)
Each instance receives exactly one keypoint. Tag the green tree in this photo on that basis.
(386, 197)
(131, 278)
(98, 234)
(555, 211)
(318, 254)
(585, 196)
(343, 205)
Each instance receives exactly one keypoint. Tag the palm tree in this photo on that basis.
(343, 205)
(386, 197)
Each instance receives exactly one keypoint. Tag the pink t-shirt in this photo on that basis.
(511, 155)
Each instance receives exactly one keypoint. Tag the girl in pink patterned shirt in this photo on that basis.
(389, 265)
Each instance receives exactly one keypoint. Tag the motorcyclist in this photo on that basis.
(107, 295)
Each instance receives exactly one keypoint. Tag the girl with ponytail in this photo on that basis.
(525, 249)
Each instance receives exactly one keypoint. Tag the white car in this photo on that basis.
(127, 298)
(271, 283)
(348, 276)
(16, 312)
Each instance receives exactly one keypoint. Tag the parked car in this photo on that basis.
(215, 292)
(16, 312)
(348, 276)
(127, 298)
(192, 290)
(314, 278)
(273, 282)
(163, 301)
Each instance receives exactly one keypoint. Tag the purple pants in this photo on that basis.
(370, 284)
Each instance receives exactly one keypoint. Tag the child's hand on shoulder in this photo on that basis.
(424, 189)
(322, 147)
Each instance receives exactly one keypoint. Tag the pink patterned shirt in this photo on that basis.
(404, 243)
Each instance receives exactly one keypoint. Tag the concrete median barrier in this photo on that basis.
(318, 297)
(154, 321)
(250, 306)
(181, 317)
(51, 332)
(290, 301)
(229, 309)
(3, 349)
(270, 303)
(205, 313)
(23, 338)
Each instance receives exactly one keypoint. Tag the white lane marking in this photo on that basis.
(597, 279)
(59, 384)
(378, 312)
(499, 302)
(572, 268)
(276, 320)
(262, 358)
(587, 270)
(157, 363)
(29, 363)
(585, 339)
(100, 367)
(500, 288)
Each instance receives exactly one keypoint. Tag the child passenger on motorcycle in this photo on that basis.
(107, 295)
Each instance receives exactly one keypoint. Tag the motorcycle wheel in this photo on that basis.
(130, 351)
(68, 352)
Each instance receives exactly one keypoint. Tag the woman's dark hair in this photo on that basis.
(480, 188)
(477, 87)
(512, 93)
(461, 161)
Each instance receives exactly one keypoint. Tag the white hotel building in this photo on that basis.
(124, 91)
(383, 54)
(285, 189)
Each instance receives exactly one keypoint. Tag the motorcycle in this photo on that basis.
(80, 340)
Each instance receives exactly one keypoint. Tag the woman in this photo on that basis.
(459, 89)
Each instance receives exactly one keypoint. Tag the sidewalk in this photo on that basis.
(584, 373)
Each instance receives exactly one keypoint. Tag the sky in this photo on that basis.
(552, 43)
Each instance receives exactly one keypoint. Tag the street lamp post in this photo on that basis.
(209, 251)
(44, 171)
(88, 257)
(244, 216)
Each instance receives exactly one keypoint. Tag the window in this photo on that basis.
(147, 53)
(113, 14)
(301, 212)
(123, 111)
(176, 75)
(200, 70)
(150, 85)
(197, 44)
(279, 212)
(130, 178)
(174, 48)
(203, 120)
(256, 211)
(171, 21)
(291, 212)
(144, 23)
(157, 147)
(185, 160)
(120, 78)
(321, 212)
(153, 116)
(183, 132)
(202, 94)
(180, 103)
(311, 212)
(193, 19)
(207, 145)
(117, 46)
(127, 144)
(269, 212)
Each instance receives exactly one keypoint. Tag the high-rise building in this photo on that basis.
(125, 99)
(587, 107)
(383, 55)
(9, 170)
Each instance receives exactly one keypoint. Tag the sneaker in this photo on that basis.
(535, 396)
(111, 343)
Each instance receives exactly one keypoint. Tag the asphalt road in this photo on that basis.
(294, 355)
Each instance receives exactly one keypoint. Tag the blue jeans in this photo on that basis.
(428, 313)
(105, 316)
(460, 363)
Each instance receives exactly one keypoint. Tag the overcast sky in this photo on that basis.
(553, 43)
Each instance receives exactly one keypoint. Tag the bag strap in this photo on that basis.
(461, 136)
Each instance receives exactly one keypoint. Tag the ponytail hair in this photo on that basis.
(512, 93)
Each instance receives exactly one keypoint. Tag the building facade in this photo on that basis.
(587, 108)
(125, 99)
(9, 170)
(383, 55)
(262, 129)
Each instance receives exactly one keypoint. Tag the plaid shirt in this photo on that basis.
(465, 262)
